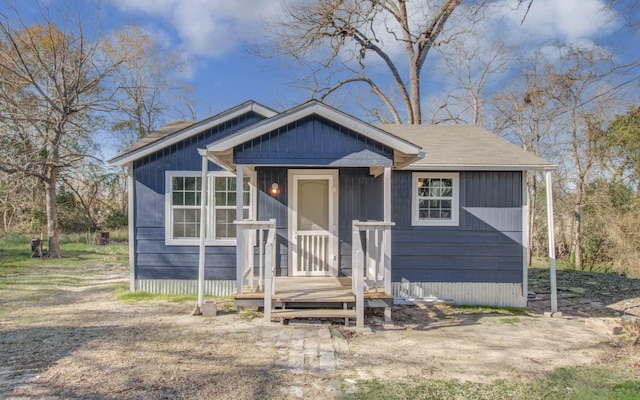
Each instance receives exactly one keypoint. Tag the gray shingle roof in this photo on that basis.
(163, 131)
(464, 147)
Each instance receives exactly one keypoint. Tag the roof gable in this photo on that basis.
(313, 140)
(176, 132)
(313, 107)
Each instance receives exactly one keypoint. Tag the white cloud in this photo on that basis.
(557, 20)
(209, 28)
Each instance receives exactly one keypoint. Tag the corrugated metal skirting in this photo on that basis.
(489, 294)
(184, 286)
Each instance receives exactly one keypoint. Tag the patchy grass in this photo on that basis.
(40, 279)
(15, 255)
(122, 293)
(224, 305)
(249, 313)
(564, 383)
(469, 309)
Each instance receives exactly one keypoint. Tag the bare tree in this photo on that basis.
(340, 41)
(149, 84)
(527, 113)
(50, 88)
(473, 61)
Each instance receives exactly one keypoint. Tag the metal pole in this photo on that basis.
(203, 233)
(552, 246)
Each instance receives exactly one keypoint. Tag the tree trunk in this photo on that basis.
(415, 114)
(52, 213)
(577, 239)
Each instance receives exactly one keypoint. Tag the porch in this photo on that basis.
(288, 297)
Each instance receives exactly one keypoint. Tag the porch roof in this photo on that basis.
(222, 151)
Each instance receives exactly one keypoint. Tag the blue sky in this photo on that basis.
(212, 35)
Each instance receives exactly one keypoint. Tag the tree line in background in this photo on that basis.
(576, 105)
(64, 86)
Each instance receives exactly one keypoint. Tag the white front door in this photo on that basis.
(313, 222)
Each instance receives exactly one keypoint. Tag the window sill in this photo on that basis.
(193, 243)
(434, 223)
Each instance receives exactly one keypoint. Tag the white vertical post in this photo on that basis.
(261, 257)
(357, 273)
(387, 230)
(203, 234)
(239, 230)
(270, 261)
(131, 222)
(525, 239)
(552, 246)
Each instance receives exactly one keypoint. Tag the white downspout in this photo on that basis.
(552, 247)
(203, 234)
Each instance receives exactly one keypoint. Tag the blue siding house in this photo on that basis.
(240, 201)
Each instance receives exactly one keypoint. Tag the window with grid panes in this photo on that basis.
(435, 198)
(224, 205)
(183, 207)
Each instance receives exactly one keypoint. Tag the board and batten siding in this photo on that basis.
(359, 197)
(313, 141)
(486, 246)
(155, 260)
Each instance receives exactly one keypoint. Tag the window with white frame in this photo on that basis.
(183, 206)
(435, 198)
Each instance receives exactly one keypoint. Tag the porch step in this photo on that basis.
(312, 313)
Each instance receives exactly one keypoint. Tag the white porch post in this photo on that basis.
(525, 239)
(131, 187)
(552, 247)
(387, 238)
(239, 230)
(203, 234)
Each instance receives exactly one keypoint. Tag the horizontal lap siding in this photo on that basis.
(313, 141)
(485, 247)
(154, 260)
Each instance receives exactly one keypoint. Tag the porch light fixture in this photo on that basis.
(275, 189)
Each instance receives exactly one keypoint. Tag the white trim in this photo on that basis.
(210, 238)
(461, 167)
(322, 110)
(333, 177)
(455, 199)
(192, 130)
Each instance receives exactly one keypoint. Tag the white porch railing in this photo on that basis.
(370, 261)
(263, 259)
(313, 252)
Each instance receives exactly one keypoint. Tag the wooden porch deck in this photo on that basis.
(308, 289)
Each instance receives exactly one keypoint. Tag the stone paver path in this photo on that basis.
(305, 349)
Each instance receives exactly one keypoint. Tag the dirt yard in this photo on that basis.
(80, 342)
